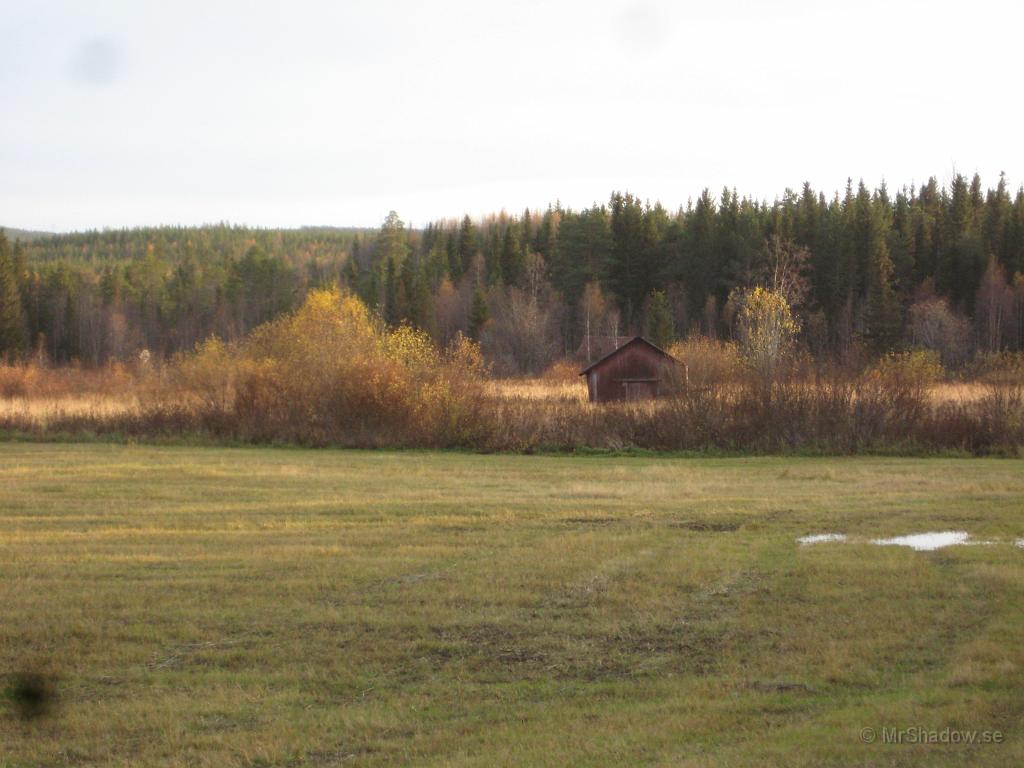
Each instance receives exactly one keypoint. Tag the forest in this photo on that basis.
(865, 271)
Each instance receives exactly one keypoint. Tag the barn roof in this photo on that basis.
(630, 343)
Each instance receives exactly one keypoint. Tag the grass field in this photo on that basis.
(220, 607)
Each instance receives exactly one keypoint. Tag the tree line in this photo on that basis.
(865, 270)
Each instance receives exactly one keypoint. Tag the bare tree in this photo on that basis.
(933, 325)
(523, 335)
(785, 269)
(592, 316)
(449, 313)
(1017, 323)
(994, 307)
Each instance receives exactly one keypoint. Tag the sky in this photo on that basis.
(131, 113)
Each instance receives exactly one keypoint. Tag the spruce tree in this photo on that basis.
(883, 321)
(351, 273)
(479, 314)
(513, 260)
(660, 326)
(12, 332)
(391, 293)
(467, 244)
(421, 303)
(69, 348)
(492, 256)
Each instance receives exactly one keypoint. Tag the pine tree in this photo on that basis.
(392, 241)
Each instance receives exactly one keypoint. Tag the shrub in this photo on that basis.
(15, 380)
(766, 329)
(331, 373)
(562, 371)
(916, 370)
(1005, 368)
(933, 325)
(708, 361)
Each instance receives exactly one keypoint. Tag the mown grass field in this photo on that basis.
(222, 607)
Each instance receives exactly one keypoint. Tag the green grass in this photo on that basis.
(213, 607)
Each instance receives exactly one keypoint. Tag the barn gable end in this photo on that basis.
(637, 370)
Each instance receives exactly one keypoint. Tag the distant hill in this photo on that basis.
(208, 244)
(25, 235)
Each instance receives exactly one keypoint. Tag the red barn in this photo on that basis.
(637, 370)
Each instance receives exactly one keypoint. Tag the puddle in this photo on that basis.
(820, 538)
(921, 542)
(926, 542)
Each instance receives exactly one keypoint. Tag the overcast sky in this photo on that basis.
(130, 113)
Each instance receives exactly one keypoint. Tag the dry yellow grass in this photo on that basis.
(43, 410)
(540, 389)
(960, 392)
(546, 389)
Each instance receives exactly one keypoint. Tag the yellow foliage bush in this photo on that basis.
(766, 329)
(330, 372)
(708, 361)
(917, 370)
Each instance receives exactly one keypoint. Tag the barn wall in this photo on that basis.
(637, 361)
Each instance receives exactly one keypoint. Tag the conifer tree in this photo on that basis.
(392, 241)
(630, 242)
(660, 326)
(513, 260)
(493, 256)
(479, 314)
(467, 244)
(391, 293)
(701, 267)
(421, 309)
(883, 321)
(351, 273)
(12, 333)
(436, 266)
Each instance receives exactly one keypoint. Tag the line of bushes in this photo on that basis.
(331, 374)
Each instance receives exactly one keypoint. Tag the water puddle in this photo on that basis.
(926, 542)
(821, 538)
(920, 542)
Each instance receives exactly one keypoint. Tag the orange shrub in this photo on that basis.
(561, 370)
(331, 373)
(708, 361)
